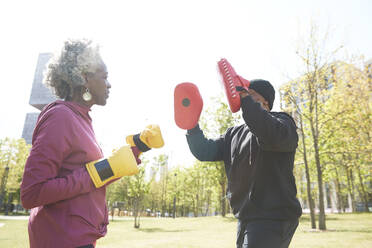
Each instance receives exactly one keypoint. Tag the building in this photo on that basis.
(39, 98)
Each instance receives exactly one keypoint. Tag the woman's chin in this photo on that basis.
(102, 102)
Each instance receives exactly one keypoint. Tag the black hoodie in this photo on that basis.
(258, 158)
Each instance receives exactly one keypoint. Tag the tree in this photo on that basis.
(312, 91)
(117, 196)
(138, 187)
(289, 94)
(161, 165)
(351, 139)
(13, 156)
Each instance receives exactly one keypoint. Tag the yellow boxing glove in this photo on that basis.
(149, 138)
(121, 163)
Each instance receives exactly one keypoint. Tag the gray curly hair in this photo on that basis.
(66, 71)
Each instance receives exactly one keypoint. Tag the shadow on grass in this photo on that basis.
(119, 220)
(338, 230)
(350, 230)
(306, 218)
(157, 229)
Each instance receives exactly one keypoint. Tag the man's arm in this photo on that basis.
(202, 148)
(275, 132)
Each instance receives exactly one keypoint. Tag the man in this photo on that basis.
(258, 157)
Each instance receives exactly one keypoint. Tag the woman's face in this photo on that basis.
(98, 85)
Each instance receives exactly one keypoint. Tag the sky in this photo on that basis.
(151, 46)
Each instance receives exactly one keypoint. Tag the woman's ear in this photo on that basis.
(85, 76)
(87, 80)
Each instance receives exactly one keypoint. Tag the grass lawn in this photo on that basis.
(344, 231)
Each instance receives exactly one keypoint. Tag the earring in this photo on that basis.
(87, 96)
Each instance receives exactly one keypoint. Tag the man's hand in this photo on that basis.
(255, 96)
(243, 92)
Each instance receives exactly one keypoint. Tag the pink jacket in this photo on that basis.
(66, 209)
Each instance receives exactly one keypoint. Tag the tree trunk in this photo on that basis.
(174, 207)
(322, 217)
(223, 199)
(338, 192)
(315, 135)
(349, 185)
(208, 203)
(197, 206)
(135, 212)
(309, 197)
(3, 186)
(364, 194)
(163, 210)
(194, 208)
(10, 200)
(187, 211)
(112, 212)
(353, 205)
(308, 181)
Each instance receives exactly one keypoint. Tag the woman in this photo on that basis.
(64, 179)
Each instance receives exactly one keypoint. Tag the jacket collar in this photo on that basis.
(77, 108)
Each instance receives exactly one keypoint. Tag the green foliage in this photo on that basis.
(218, 117)
(13, 156)
(343, 129)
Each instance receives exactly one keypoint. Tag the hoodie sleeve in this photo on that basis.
(52, 142)
(202, 148)
(274, 131)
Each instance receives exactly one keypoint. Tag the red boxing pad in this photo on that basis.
(230, 81)
(188, 105)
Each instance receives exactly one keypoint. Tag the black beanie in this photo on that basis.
(265, 89)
